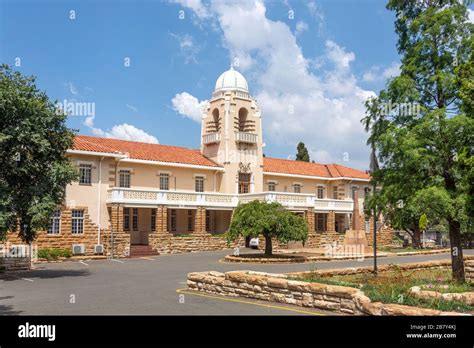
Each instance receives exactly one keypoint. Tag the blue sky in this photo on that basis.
(321, 61)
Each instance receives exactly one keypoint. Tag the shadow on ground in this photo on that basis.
(45, 274)
(7, 309)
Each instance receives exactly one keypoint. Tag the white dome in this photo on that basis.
(232, 80)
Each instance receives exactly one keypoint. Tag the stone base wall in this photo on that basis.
(469, 270)
(65, 239)
(14, 264)
(384, 236)
(166, 243)
(281, 288)
(121, 244)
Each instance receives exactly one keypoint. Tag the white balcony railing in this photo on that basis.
(171, 198)
(244, 137)
(224, 200)
(211, 138)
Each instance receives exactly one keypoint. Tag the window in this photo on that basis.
(244, 183)
(124, 180)
(77, 223)
(199, 184)
(135, 219)
(54, 228)
(153, 220)
(271, 186)
(334, 192)
(208, 220)
(85, 174)
(320, 222)
(164, 181)
(320, 192)
(190, 221)
(173, 220)
(297, 188)
(126, 219)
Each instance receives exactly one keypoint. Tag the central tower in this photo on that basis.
(231, 134)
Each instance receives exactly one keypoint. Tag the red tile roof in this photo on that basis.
(283, 166)
(182, 155)
(143, 151)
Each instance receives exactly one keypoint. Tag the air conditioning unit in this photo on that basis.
(98, 249)
(78, 249)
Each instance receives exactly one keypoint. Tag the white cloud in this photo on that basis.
(301, 27)
(122, 131)
(189, 106)
(327, 106)
(188, 48)
(131, 107)
(376, 73)
(471, 15)
(392, 71)
(338, 55)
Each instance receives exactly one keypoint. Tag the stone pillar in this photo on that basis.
(161, 219)
(200, 221)
(309, 217)
(331, 222)
(120, 241)
(116, 218)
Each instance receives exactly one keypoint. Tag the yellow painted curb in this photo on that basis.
(186, 291)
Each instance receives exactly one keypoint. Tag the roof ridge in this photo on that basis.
(134, 141)
(294, 160)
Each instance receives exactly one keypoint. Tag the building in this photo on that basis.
(175, 199)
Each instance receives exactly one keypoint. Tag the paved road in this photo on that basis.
(147, 286)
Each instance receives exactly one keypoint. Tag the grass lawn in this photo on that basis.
(393, 287)
(402, 250)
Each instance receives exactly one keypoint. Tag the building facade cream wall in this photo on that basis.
(232, 139)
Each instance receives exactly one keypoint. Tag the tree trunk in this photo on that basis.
(457, 261)
(268, 245)
(416, 238)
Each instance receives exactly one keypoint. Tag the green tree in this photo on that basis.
(271, 220)
(34, 171)
(422, 123)
(302, 152)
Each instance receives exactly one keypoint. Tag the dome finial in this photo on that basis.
(231, 65)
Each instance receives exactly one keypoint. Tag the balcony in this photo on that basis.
(300, 200)
(179, 199)
(211, 138)
(185, 199)
(243, 137)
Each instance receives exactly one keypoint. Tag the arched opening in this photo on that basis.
(243, 119)
(214, 125)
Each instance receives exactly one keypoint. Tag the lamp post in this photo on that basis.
(374, 166)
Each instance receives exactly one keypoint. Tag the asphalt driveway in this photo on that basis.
(148, 286)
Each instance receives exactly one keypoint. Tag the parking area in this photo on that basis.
(150, 285)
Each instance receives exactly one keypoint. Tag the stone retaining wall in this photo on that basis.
(469, 269)
(14, 264)
(166, 243)
(281, 288)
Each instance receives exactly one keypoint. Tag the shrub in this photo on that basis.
(53, 254)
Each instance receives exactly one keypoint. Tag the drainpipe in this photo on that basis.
(99, 213)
